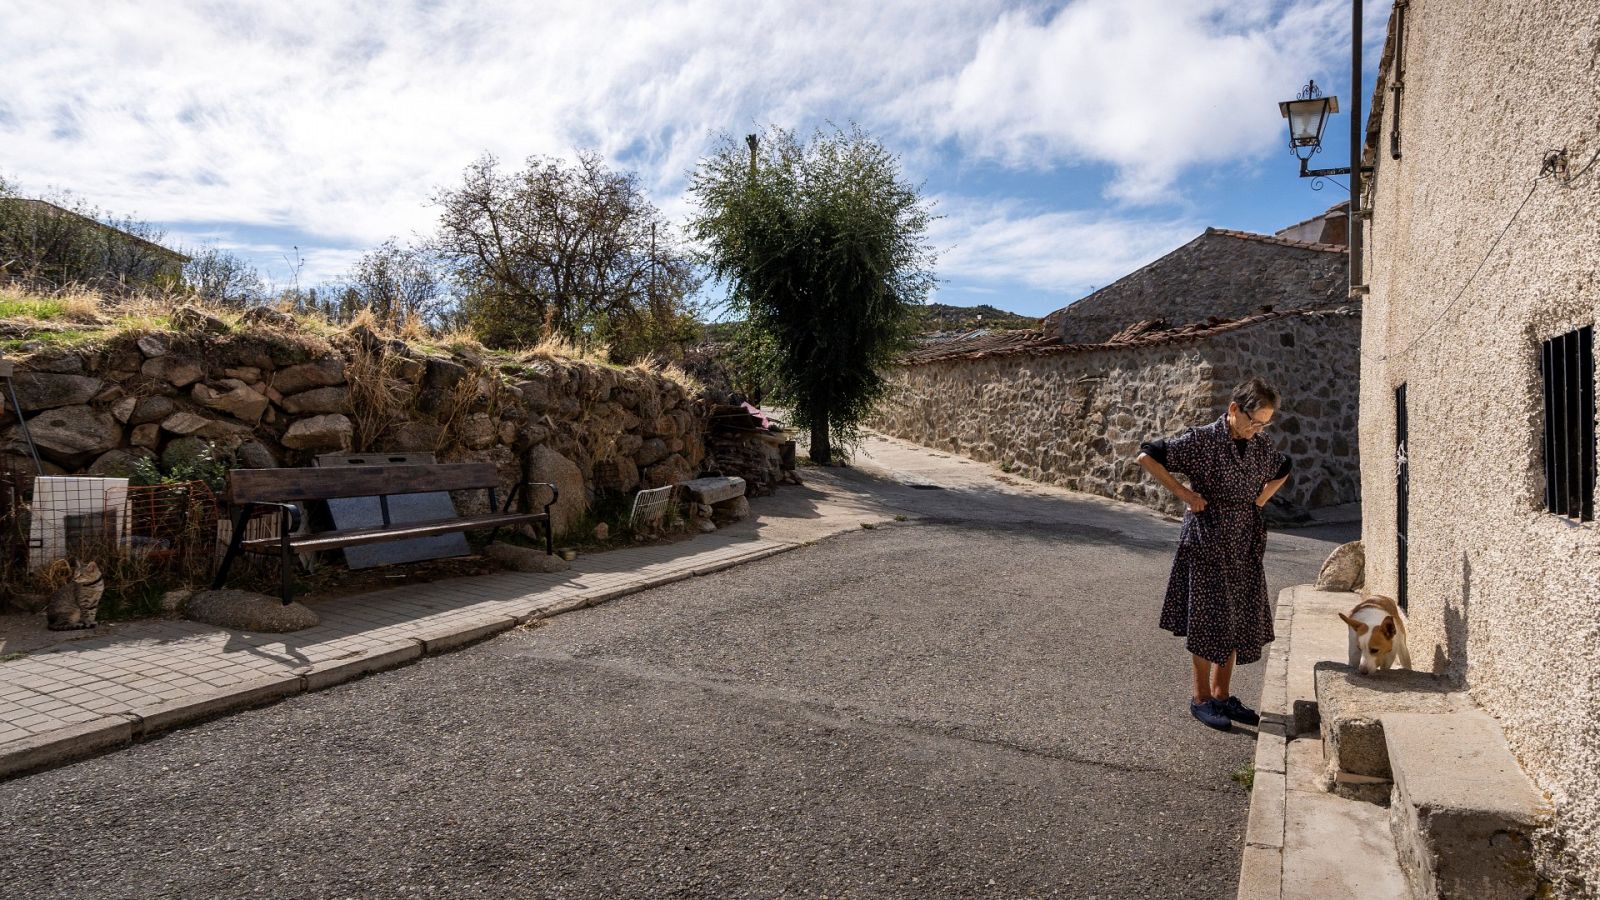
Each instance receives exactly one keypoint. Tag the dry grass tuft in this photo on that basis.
(669, 370)
(378, 396)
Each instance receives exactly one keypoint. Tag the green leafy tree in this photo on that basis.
(823, 246)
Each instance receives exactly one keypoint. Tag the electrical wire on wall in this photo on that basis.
(1552, 165)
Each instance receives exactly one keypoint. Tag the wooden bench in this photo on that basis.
(255, 491)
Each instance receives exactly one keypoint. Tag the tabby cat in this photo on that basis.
(75, 604)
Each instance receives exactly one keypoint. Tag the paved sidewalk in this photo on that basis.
(88, 695)
(1301, 842)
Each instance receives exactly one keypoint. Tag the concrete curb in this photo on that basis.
(1261, 868)
(112, 732)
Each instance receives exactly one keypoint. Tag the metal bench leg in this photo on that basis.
(286, 557)
(240, 517)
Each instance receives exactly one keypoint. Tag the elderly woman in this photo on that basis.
(1217, 595)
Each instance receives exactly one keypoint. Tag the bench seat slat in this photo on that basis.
(333, 540)
(286, 485)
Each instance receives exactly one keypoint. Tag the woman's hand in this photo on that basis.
(1193, 499)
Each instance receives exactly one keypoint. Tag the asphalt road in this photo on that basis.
(977, 703)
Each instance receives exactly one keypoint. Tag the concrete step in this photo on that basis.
(1462, 811)
(1350, 707)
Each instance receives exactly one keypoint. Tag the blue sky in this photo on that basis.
(1065, 143)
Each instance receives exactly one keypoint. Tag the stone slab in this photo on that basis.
(1334, 847)
(713, 490)
(325, 675)
(1264, 827)
(64, 744)
(1350, 705)
(451, 637)
(1463, 811)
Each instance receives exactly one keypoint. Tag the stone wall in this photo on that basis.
(1226, 274)
(269, 397)
(1076, 417)
(1503, 595)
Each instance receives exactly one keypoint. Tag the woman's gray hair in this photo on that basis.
(1254, 394)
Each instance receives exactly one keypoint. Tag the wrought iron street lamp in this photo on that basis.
(1308, 115)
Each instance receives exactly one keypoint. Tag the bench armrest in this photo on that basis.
(521, 489)
(290, 513)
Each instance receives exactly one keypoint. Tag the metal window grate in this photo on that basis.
(1567, 364)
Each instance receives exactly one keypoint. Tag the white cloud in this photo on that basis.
(1008, 242)
(337, 120)
(1148, 87)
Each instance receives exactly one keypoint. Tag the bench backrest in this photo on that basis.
(259, 485)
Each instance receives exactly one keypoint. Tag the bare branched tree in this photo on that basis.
(223, 277)
(573, 250)
(400, 284)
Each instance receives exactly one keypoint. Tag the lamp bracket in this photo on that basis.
(1324, 173)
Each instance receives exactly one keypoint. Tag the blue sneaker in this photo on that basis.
(1234, 709)
(1211, 715)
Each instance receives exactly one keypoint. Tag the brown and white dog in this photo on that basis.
(1377, 635)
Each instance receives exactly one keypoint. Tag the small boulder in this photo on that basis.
(238, 401)
(173, 601)
(119, 463)
(191, 319)
(1344, 569)
(151, 409)
(147, 436)
(255, 455)
(330, 433)
(267, 317)
(184, 423)
(74, 435)
(317, 401)
(59, 363)
(244, 611)
(154, 345)
(123, 409)
(669, 471)
(176, 372)
(304, 377)
(525, 559)
(43, 390)
(478, 431)
(651, 452)
(246, 374)
(184, 452)
(731, 510)
(602, 532)
(546, 465)
(416, 437)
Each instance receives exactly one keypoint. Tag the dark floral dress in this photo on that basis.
(1217, 594)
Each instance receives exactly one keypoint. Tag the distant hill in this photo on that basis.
(930, 318)
(943, 317)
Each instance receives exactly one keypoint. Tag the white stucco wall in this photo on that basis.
(1503, 594)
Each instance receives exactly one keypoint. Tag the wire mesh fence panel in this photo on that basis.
(649, 505)
(144, 538)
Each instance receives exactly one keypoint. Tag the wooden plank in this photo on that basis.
(281, 485)
(333, 540)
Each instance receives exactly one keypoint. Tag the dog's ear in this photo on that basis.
(1353, 623)
(1387, 627)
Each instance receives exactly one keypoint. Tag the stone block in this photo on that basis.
(1463, 812)
(713, 490)
(1344, 569)
(1351, 706)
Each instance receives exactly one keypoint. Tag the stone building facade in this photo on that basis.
(1484, 245)
(1075, 414)
(1220, 275)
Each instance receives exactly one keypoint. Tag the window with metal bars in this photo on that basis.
(1567, 364)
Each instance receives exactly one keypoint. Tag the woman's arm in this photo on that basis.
(1270, 489)
(1160, 473)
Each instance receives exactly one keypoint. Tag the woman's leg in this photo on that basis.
(1202, 679)
(1221, 677)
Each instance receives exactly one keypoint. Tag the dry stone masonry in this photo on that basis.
(269, 397)
(1075, 415)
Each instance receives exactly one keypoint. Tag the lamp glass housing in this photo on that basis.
(1307, 117)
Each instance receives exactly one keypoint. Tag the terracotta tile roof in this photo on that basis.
(1282, 242)
(1143, 334)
